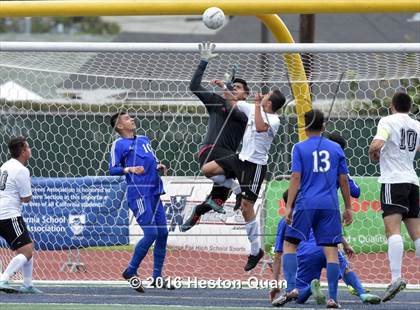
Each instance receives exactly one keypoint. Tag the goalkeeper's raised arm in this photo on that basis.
(206, 96)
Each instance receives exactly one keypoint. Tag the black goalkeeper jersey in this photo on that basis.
(226, 125)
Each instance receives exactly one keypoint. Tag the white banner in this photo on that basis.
(221, 233)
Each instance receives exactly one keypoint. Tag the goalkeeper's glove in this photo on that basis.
(207, 51)
(229, 78)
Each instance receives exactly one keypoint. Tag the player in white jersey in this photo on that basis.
(15, 188)
(395, 145)
(250, 165)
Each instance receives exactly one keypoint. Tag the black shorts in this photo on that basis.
(249, 175)
(209, 153)
(15, 233)
(401, 198)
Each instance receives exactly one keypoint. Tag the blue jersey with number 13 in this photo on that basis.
(320, 161)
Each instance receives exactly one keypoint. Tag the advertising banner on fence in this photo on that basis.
(221, 233)
(366, 234)
(77, 212)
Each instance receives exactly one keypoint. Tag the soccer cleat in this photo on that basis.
(393, 289)
(29, 290)
(331, 303)
(319, 297)
(238, 202)
(191, 221)
(285, 298)
(134, 280)
(253, 260)
(370, 299)
(5, 287)
(162, 282)
(216, 205)
(273, 293)
(354, 292)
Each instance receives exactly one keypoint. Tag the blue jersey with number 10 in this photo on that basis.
(320, 161)
(131, 152)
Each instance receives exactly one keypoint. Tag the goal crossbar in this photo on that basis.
(220, 47)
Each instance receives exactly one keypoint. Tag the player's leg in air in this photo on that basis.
(150, 215)
(250, 178)
(218, 195)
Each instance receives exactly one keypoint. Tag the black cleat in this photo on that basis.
(253, 260)
(134, 281)
(216, 205)
(238, 202)
(162, 282)
(191, 221)
(393, 289)
(285, 298)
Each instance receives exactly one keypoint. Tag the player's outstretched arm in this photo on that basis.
(345, 192)
(206, 53)
(229, 97)
(260, 124)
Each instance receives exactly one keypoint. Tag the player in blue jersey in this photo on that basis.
(133, 157)
(311, 260)
(318, 164)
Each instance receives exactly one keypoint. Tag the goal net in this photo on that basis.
(61, 97)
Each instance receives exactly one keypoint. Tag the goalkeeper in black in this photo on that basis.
(225, 129)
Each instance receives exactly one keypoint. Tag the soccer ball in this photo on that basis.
(213, 18)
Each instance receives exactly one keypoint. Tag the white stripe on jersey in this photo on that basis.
(113, 152)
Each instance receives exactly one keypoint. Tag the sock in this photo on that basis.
(218, 179)
(350, 278)
(15, 265)
(395, 255)
(304, 294)
(233, 185)
(141, 249)
(253, 232)
(333, 274)
(27, 272)
(417, 244)
(159, 251)
(289, 270)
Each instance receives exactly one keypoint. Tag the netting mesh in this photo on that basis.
(62, 101)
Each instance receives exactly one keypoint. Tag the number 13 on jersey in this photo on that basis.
(321, 161)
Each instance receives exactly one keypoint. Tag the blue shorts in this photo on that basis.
(148, 210)
(326, 225)
(310, 266)
(281, 228)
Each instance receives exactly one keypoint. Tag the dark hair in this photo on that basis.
(243, 82)
(114, 119)
(335, 136)
(277, 100)
(285, 194)
(401, 102)
(16, 146)
(314, 120)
